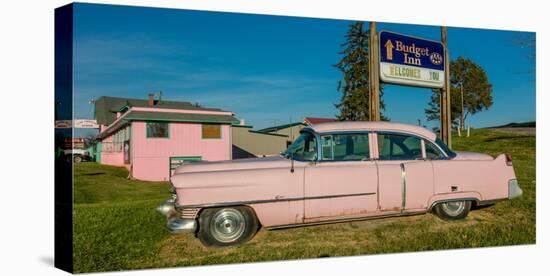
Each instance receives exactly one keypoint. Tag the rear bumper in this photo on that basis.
(513, 189)
(174, 221)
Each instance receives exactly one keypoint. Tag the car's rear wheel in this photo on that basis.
(453, 210)
(77, 158)
(227, 226)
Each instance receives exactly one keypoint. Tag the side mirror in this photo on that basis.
(288, 155)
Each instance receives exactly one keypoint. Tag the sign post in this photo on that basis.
(445, 96)
(374, 79)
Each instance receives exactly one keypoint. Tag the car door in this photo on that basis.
(342, 183)
(405, 175)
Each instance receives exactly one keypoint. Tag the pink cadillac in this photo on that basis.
(335, 172)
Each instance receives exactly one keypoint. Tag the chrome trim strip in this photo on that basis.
(423, 148)
(454, 199)
(262, 201)
(396, 214)
(343, 161)
(403, 187)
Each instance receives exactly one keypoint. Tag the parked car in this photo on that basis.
(335, 172)
(76, 155)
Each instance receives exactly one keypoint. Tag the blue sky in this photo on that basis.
(268, 69)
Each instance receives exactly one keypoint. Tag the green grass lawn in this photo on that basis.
(116, 226)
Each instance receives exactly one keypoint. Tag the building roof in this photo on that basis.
(106, 107)
(133, 115)
(307, 121)
(180, 117)
(316, 120)
(267, 133)
(279, 127)
(373, 126)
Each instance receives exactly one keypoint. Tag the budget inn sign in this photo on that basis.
(413, 61)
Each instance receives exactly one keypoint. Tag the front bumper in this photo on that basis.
(174, 220)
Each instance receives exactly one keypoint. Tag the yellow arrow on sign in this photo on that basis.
(389, 50)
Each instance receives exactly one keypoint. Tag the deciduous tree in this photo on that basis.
(477, 91)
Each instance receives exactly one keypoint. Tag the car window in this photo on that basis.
(432, 152)
(345, 147)
(445, 148)
(304, 147)
(399, 147)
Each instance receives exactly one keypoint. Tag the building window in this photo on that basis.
(158, 130)
(211, 131)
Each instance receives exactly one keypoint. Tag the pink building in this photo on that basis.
(151, 137)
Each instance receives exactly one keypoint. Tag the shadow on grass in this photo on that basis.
(476, 207)
(95, 173)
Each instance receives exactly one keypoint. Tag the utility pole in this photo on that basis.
(445, 98)
(462, 106)
(374, 71)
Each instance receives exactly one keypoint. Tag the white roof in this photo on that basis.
(373, 126)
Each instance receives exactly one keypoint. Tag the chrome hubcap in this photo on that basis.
(454, 208)
(227, 225)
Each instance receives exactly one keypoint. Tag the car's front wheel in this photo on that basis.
(227, 226)
(453, 210)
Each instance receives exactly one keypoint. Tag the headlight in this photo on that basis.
(174, 194)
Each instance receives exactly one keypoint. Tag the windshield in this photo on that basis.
(304, 148)
(445, 148)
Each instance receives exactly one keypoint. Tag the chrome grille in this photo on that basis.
(189, 213)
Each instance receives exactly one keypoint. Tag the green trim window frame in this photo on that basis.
(123, 109)
(120, 140)
(157, 130)
(211, 131)
(115, 142)
(130, 132)
(99, 149)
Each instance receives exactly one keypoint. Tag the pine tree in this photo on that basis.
(354, 85)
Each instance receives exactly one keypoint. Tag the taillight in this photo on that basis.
(508, 159)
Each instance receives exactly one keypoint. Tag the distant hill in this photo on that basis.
(512, 125)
